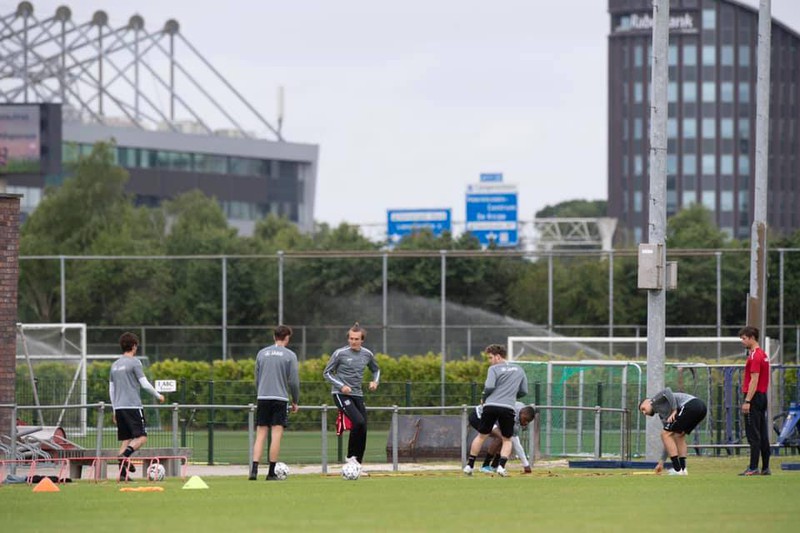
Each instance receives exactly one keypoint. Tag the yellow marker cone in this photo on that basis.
(195, 482)
(46, 485)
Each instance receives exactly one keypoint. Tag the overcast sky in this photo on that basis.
(411, 100)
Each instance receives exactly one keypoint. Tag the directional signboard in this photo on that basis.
(492, 213)
(402, 222)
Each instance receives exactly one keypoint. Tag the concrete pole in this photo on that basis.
(657, 299)
(756, 304)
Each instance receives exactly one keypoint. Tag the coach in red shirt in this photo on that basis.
(754, 408)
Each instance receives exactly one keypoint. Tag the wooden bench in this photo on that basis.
(174, 461)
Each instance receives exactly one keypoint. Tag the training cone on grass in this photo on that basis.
(46, 485)
(195, 482)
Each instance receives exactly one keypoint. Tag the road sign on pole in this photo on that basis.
(492, 213)
(402, 222)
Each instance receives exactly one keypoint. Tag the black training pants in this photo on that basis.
(356, 411)
(757, 431)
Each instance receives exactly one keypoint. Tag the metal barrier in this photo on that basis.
(624, 429)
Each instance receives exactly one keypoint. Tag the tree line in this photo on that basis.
(91, 215)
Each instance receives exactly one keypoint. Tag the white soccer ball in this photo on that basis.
(351, 471)
(156, 472)
(281, 471)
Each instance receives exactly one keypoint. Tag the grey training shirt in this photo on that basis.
(124, 381)
(346, 367)
(667, 401)
(504, 384)
(276, 374)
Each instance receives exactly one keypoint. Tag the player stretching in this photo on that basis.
(504, 384)
(680, 413)
(125, 380)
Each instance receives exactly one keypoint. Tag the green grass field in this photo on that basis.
(712, 498)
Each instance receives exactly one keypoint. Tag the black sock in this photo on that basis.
(488, 460)
(128, 451)
(683, 462)
(496, 461)
(271, 468)
(503, 461)
(676, 464)
(254, 467)
(471, 461)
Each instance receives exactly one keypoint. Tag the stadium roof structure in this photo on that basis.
(102, 74)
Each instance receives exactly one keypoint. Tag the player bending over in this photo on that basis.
(680, 413)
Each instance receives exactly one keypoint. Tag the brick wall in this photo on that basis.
(9, 273)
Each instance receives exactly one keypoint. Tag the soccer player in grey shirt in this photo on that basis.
(504, 384)
(345, 372)
(125, 380)
(277, 381)
(680, 413)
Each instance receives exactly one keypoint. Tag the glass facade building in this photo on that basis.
(711, 115)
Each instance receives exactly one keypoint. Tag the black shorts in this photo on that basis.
(474, 421)
(272, 413)
(692, 413)
(502, 416)
(130, 423)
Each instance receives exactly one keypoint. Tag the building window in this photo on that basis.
(69, 152)
(726, 128)
(744, 92)
(709, 19)
(709, 128)
(31, 196)
(710, 200)
(637, 165)
(672, 164)
(726, 165)
(637, 56)
(689, 91)
(726, 55)
(672, 128)
(744, 128)
(637, 92)
(689, 164)
(744, 199)
(148, 158)
(709, 164)
(744, 55)
(637, 234)
(689, 198)
(637, 128)
(637, 201)
(689, 128)
(709, 55)
(127, 157)
(245, 166)
(744, 165)
(726, 91)
(672, 91)
(672, 55)
(211, 164)
(709, 91)
(690, 55)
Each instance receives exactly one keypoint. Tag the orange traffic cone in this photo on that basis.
(45, 485)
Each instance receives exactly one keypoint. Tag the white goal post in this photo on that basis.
(628, 348)
(42, 343)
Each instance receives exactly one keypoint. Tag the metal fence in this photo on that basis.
(214, 417)
(399, 323)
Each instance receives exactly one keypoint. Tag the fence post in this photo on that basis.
(464, 425)
(211, 423)
(101, 409)
(598, 450)
(183, 402)
(408, 394)
(251, 423)
(719, 419)
(173, 468)
(473, 393)
(13, 434)
(395, 421)
(324, 430)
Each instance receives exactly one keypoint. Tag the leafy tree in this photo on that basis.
(575, 208)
